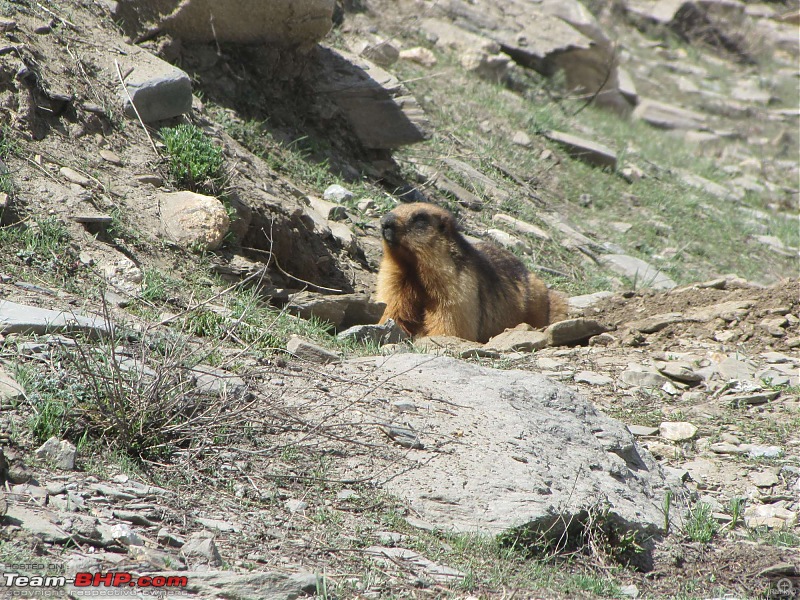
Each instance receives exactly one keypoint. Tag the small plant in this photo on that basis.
(665, 506)
(701, 525)
(195, 162)
(735, 507)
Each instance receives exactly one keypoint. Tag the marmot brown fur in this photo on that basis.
(434, 282)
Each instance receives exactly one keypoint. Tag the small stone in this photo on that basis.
(133, 517)
(753, 399)
(166, 538)
(772, 516)
(630, 591)
(383, 53)
(73, 176)
(643, 379)
(521, 226)
(604, 339)
(202, 550)
(93, 219)
(306, 350)
(193, 221)
(764, 479)
(756, 451)
(150, 179)
(110, 157)
(125, 535)
(521, 138)
(776, 358)
(585, 150)
(295, 506)
(681, 371)
(642, 431)
(345, 495)
(588, 300)
(338, 194)
(775, 327)
(387, 333)
(329, 211)
(389, 538)
(656, 322)
(573, 331)
(507, 240)
(723, 448)
(10, 390)
(639, 272)
(43, 28)
(218, 525)
(7, 24)
(402, 406)
(421, 56)
(592, 378)
(677, 431)
(519, 339)
(366, 204)
(60, 452)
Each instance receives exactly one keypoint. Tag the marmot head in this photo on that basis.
(418, 228)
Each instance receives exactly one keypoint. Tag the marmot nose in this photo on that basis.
(388, 224)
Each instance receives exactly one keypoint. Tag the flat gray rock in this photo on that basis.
(643, 274)
(573, 331)
(387, 333)
(305, 350)
(10, 390)
(38, 523)
(158, 89)
(585, 150)
(20, 318)
(667, 116)
(533, 452)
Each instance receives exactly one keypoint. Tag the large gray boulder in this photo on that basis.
(715, 22)
(546, 36)
(531, 455)
(377, 107)
(288, 23)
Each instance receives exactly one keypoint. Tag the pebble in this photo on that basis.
(679, 370)
(521, 138)
(336, 193)
(677, 431)
(641, 430)
(109, 156)
(73, 176)
(756, 451)
(764, 479)
(151, 179)
(592, 378)
(295, 506)
(752, 399)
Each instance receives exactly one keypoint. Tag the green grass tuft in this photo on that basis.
(195, 162)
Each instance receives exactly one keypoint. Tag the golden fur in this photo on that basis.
(434, 282)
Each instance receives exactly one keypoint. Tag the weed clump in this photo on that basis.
(195, 162)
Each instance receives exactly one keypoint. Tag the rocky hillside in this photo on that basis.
(193, 391)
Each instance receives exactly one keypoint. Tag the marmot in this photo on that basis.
(434, 282)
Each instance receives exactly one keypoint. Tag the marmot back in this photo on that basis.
(434, 282)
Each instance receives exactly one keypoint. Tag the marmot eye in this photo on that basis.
(419, 219)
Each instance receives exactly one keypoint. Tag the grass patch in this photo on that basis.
(195, 161)
(40, 248)
(701, 526)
